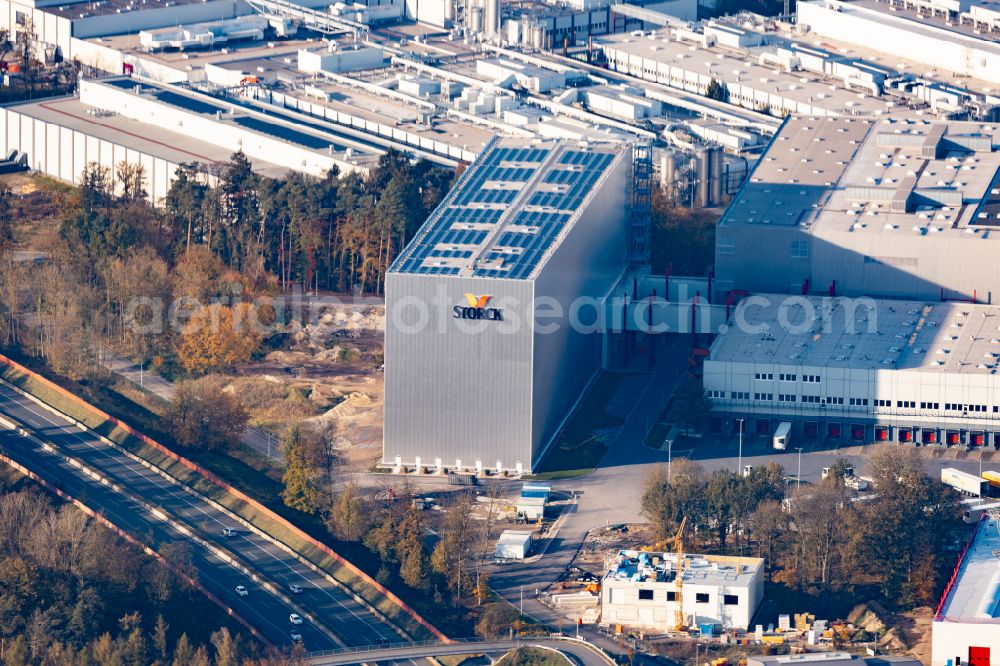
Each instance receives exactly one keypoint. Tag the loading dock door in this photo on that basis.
(833, 430)
(977, 439)
(996, 440)
(857, 432)
(928, 436)
(809, 430)
(979, 656)
(905, 435)
(953, 437)
(763, 427)
(881, 433)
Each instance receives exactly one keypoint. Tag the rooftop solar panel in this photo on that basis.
(188, 103)
(506, 239)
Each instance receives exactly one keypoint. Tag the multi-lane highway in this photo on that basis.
(332, 606)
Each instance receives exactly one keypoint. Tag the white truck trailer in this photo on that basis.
(782, 435)
(969, 484)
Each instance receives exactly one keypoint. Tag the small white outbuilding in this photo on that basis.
(513, 545)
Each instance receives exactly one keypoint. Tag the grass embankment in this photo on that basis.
(585, 441)
(254, 482)
(533, 657)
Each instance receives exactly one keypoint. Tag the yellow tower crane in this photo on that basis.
(679, 579)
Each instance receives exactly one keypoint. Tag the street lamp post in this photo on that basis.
(798, 475)
(739, 465)
(670, 446)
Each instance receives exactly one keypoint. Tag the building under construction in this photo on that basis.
(641, 590)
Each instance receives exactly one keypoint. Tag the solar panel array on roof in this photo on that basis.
(486, 196)
(188, 103)
(130, 84)
(286, 133)
(545, 228)
(465, 225)
(577, 183)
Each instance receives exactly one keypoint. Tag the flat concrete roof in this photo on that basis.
(88, 8)
(732, 66)
(974, 596)
(953, 338)
(237, 50)
(930, 26)
(888, 61)
(150, 139)
(718, 570)
(914, 177)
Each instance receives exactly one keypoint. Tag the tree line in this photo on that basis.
(175, 285)
(73, 593)
(448, 570)
(820, 539)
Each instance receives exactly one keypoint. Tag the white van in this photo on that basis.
(782, 436)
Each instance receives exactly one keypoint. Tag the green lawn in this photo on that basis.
(584, 442)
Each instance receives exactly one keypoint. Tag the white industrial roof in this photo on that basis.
(912, 177)
(743, 67)
(925, 25)
(974, 596)
(878, 334)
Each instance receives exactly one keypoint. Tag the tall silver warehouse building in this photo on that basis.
(492, 311)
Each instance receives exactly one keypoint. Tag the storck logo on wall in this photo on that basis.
(476, 309)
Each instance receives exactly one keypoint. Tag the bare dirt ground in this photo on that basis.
(36, 207)
(329, 379)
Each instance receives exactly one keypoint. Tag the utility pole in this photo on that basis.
(798, 475)
(739, 465)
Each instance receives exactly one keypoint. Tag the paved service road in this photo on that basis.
(612, 493)
(332, 606)
(577, 651)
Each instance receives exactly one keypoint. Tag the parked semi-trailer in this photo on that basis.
(994, 480)
(970, 484)
(782, 436)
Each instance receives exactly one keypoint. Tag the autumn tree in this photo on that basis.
(906, 531)
(307, 485)
(137, 289)
(349, 519)
(219, 337)
(768, 528)
(451, 555)
(203, 415)
(669, 497)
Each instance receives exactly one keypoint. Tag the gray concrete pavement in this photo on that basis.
(612, 493)
(333, 606)
(577, 650)
(256, 438)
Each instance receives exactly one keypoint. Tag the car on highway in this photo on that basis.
(242, 590)
(296, 589)
(296, 636)
(229, 532)
(295, 618)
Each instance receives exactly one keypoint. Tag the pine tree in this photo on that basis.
(160, 638)
(302, 484)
